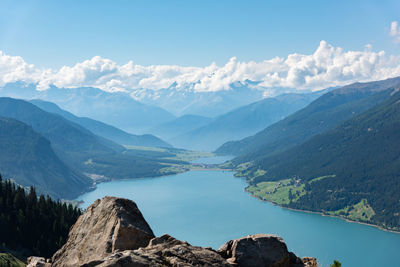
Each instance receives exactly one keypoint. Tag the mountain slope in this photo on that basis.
(118, 109)
(179, 126)
(357, 163)
(79, 148)
(321, 115)
(68, 139)
(28, 158)
(102, 129)
(243, 121)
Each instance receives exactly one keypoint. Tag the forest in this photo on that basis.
(32, 224)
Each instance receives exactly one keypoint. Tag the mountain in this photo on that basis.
(243, 121)
(322, 114)
(187, 100)
(102, 129)
(79, 148)
(28, 158)
(179, 126)
(351, 170)
(68, 139)
(118, 109)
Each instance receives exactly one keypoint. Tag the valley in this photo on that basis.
(320, 156)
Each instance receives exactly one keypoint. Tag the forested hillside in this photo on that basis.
(30, 224)
(352, 170)
(28, 158)
(321, 115)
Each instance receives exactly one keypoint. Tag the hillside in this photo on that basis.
(30, 223)
(79, 148)
(350, 171)
(322, 114)
(243, 121)
(179, 126)
(118, 109)
(28, 158)
(102, 129)
(68, 139)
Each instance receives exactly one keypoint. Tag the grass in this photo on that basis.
(7, 259)
(189, 155)
(361, 211)
(146, 148)
(174, 154)
(279, 192)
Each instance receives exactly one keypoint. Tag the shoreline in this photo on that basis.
(252, 195)
(324, 214)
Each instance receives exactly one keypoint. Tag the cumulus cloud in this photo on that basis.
(327, 66)
(395, 31)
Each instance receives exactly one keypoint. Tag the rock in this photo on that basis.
(259, 250)
(38, 262)
(113, 233)
(108, 225)
(164, 251)
(310, 262)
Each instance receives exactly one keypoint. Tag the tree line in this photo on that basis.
(31, 224)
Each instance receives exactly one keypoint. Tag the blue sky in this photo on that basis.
(189, 33)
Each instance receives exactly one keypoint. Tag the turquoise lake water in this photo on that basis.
(208, 208)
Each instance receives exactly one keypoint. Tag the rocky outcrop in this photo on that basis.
(113, 233)
(258, 250)
(108, 225)
(38, 262)
(165, 251)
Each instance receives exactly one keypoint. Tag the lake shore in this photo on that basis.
(324, 214)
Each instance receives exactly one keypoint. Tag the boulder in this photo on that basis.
(261, 250)
(108, 225)
(164, 251)
(38, 262)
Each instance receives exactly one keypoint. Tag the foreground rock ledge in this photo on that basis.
(113, 232)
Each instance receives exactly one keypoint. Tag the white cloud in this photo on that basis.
(327, 66)
(395, 31)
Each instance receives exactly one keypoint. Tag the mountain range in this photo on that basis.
(117, 109)
(339, 155)
(322, 114)
(102, 129)
(187, 100)
(72, 152)
(242, 122)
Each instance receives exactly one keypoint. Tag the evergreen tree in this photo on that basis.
(36, 225)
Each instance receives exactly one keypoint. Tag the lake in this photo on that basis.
(208, 208)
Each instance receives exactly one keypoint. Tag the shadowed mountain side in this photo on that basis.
(78, 147)
(28, 158)
(322, 114)
(67, 138)
(102, 129)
